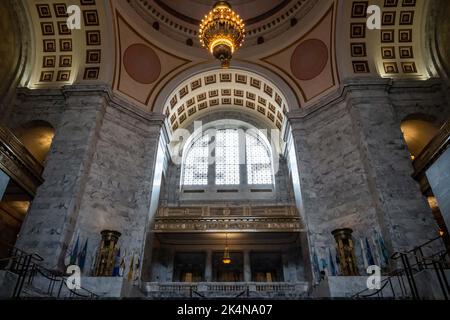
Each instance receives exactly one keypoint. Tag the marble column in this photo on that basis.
(402, 212)
(247, 267)
(354, 167)
(49, 224)
(120, 186)
(208, 266)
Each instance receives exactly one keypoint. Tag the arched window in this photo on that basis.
(236, 157)
(259, 165)
(196, 162)
(227, 157)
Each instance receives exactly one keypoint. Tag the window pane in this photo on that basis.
(227, 157)
(259, 167)
(196, 163)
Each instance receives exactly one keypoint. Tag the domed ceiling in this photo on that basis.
(263, 19)
(148, 50)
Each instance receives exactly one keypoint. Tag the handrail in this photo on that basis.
(24, 265)
(397, 254)
(409, 270)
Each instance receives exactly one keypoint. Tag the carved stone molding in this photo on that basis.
(232, 219)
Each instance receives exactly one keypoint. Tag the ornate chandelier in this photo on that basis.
(222, 32)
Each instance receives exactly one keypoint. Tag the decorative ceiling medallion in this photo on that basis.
(309, 59)
(142, 63)
(222, 32)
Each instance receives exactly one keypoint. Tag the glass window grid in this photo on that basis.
(227, 168)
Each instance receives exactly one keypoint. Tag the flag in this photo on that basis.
(67, 257)
(338, 262)
(383, 249)
(324, 264)
(93, 262)
(130, 271)
(370, 259)
(363, 254)
(332, 266)
(116, 270)
(316, 264)
(138, 262)
(82, 256)
(122, 265)
(74, 253)
(376, 252)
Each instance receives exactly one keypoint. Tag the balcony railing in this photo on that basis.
(225, 289)
(217, 219)
(18, 163)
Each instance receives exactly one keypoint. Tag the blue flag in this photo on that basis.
(82, 256)
(116, 270)
(383, 249)
(332, 266)
(369, 255)
(316, 264)
(74, 254)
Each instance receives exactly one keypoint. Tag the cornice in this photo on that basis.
(379, 87)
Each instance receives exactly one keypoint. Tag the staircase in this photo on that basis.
(420, 276)
(28, 279)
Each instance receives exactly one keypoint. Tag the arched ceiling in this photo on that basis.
(9, 46)
(231, 89)
(141, 46)
(396, 51)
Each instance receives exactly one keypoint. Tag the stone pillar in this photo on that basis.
(355, 171)
(118, 195)
(49, 224)
(208, 266)
(402, 212)
(247, 267)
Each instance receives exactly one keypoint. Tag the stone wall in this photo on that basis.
(48, 227)
(355, 169)
(119, 185)
(98, 174)
(438, 176)
(334, 188)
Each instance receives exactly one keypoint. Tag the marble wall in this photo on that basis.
(439, 178)
(355, 169)
(49, 225)
(98, 174)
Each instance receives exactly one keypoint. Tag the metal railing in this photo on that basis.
(27, 269)
(230, 290)
(401, 283)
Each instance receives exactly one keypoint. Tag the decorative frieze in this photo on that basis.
(239, 219)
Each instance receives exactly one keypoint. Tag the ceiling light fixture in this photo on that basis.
(226, 254)
(222, 32)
